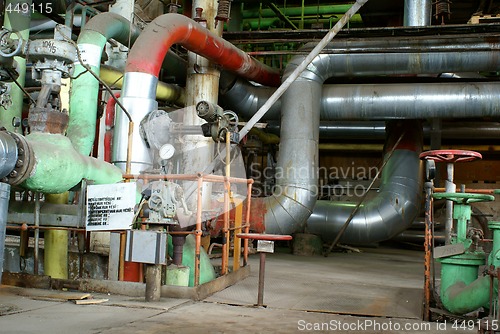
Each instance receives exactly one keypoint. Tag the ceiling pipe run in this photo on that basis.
(375, 130)
(143, 67)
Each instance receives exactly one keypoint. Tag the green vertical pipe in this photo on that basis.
(59, 167)
(85, 88)
(55, 260)
(301, 24)
(207, 272)
(20, 22)
(462, 214)
(494, 258)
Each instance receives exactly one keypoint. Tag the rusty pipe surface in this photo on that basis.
(149, 50)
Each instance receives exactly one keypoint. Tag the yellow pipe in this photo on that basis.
(164, 91)
(266, 138)
(56, 244)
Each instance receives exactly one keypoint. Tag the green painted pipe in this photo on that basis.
(59, 167)
(297, 11)
(207, 272)
(16, 21)
(265, 23)
(461, 291)
(55, 253)
(85, 88)
(494, 258)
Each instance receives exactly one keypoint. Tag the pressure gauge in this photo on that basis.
(167, 151)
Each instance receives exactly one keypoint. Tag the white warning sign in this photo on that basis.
(110, 206)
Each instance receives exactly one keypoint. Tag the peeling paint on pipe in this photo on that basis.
(150, 49)
(59, 167)
(85, 89)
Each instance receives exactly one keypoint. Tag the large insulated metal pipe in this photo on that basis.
(291, 205)
(85, 88)
(4, 205)
(395, 205)
(375, 130)
(380, 101)
(143, 66)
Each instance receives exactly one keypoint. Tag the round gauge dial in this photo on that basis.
(167, 151)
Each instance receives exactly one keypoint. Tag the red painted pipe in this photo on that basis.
(150, 48)
(109, 122)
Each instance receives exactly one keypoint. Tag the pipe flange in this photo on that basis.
(51, 49)
(25, 161)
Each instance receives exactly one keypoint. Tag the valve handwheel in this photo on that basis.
(464, 198)
(450, 156)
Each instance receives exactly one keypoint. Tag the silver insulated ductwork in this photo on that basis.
(293, 201)
(396, 203)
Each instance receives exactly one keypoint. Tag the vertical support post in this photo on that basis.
(450, 187)
(428, 250)
(153, 277)
(247, 223)
(121, 271)
(262, 270)
(199, 208)
(238, 218)
(36, 250)
(227, 195)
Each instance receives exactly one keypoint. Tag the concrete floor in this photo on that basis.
(377, 291)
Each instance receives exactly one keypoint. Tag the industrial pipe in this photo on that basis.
(58, 167)
(85, 88)
(164, 91)
(375, 130)
(378, 101)
(396, 204)
(16, 21)
(417, 13)
(143, 66)
(286, 211)
(150, 49)
(207, 272)
(461, 289)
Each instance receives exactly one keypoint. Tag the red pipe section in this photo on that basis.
(150, 48)
(109, 122)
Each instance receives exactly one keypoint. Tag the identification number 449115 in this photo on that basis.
(29, 8)
(490, 324)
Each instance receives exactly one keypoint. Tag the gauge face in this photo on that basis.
(167, 151)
